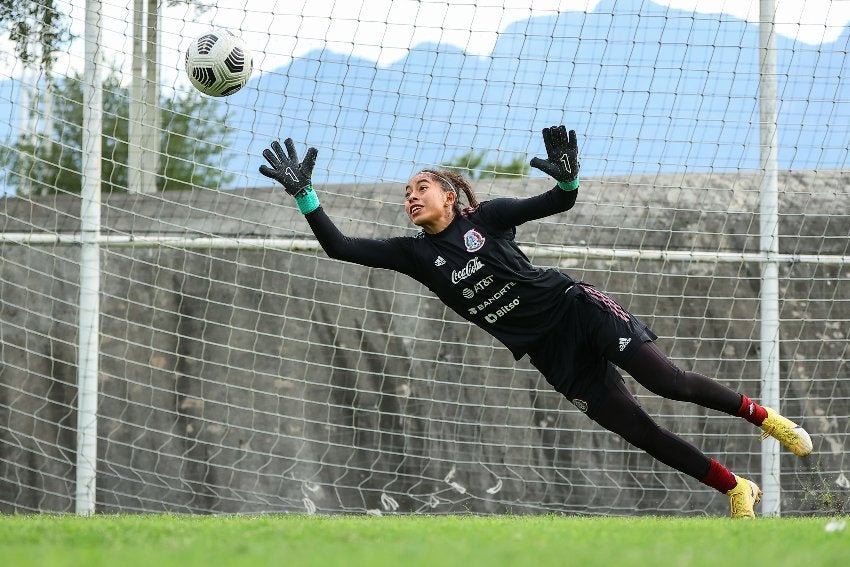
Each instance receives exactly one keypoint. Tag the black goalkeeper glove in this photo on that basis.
(292, 174)
(562, 157)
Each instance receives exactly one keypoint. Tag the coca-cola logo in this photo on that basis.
(471, 267)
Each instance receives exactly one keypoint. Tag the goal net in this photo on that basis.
(240, 370)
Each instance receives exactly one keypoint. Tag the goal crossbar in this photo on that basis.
(312, 245)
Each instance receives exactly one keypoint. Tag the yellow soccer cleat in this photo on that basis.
(743, 498)
(789, 434)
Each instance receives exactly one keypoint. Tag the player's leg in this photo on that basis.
(628, 343)
(657, 373)
(618, 411)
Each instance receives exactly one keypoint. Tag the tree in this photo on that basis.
(471, 164)
(51, 162)
(38, 30)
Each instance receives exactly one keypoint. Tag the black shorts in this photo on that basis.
(576, 357)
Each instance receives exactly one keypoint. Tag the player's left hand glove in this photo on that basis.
(562, 157)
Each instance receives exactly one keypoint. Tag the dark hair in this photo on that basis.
(453, 181)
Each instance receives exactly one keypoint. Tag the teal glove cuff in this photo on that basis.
(307, 200)
(569, 185)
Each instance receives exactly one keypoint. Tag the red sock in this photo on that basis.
(719, 478)
(751, 411)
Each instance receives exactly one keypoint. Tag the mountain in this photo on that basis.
(647, 88)
(9, 127)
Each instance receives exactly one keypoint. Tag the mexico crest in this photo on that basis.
(473, 240)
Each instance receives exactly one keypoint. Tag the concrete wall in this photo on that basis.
(251, 380)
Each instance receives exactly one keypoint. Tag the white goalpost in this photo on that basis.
(173, 338)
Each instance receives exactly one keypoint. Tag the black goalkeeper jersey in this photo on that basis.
(474, 266)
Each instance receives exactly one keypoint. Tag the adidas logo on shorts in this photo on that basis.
(624, 342)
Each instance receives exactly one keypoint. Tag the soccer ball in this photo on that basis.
(218, 63)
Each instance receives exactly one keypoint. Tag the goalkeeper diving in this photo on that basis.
(577, 336)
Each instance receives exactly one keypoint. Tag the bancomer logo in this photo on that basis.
(471, 267)
(488, 302)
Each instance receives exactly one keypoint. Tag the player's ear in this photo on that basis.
(451, 197)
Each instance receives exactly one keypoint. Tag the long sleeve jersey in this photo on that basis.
(474, 265)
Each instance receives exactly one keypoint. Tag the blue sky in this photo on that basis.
(383, 87)
(385, 30)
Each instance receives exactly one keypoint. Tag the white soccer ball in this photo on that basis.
(218, 63)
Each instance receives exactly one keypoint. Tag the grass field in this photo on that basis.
(160, 540)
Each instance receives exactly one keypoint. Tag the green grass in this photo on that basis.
(162, 540)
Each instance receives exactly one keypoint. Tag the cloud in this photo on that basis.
(809, 21)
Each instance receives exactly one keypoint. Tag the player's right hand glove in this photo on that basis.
(561, 157)
(295, 176)
(285, 167)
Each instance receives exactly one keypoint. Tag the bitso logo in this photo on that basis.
(501, 311)
(473, 240)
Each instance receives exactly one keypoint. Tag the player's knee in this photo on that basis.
(642, 433)
(677, 386)
(687, 385)
(629, 422)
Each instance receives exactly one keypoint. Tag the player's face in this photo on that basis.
(427, 204)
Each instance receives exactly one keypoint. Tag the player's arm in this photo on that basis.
(562, 164)
(295, 176)
(376, 253)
